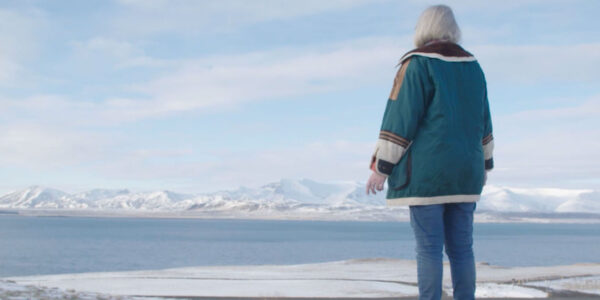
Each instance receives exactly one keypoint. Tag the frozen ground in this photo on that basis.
(358, 278)
(586, 284)
(9, 290)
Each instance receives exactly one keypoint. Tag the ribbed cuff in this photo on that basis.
(489, 164)
(385, 167)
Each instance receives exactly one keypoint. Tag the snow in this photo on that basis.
(361, 278)
(586, 284)
(302, 199)
(9, 290)
(495, 290)
(585, 202)
(505, 199)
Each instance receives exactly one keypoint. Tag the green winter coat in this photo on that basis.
(436, 137)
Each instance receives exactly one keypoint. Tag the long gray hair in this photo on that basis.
(436, 23)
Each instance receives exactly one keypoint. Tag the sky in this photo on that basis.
(200, 96)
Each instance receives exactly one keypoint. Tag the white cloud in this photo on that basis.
(18, 31)
(42, 148)
(558, 64)
(587, 109)
(214, 169)
(18, 43)
(523, 154)
(550, 147)
(48, 110)
(224, 81)
(45, 131)
(9, 70)
(109, 46)
(218, 82)
(119, 53)
(185, 17)
(230, 80)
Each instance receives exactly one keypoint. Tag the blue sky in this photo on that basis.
(197, 96)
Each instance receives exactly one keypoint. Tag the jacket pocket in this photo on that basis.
(402, 172)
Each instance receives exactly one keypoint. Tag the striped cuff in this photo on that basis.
(488, 149)
(390, 148)
(489, 164)
(380, 166)
(394, 138)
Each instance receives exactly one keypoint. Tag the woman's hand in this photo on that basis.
(375, 182)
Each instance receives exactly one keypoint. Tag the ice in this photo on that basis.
(363, 278)
(495, 290)
(10, 290)
(585, 284)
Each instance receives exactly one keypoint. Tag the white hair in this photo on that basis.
(436, 23)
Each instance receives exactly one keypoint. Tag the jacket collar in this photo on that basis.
(443, 50)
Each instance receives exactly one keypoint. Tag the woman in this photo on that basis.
(435, 148)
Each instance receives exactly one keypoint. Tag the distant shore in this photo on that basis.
(480, 216)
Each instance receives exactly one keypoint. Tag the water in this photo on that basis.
(52, 245)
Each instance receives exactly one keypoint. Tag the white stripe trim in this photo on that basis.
(439, 56)
(488, 150)
(432, 200)
(389, 151)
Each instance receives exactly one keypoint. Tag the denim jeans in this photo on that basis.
(436, 225)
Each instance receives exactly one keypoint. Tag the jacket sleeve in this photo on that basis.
(488, 139)
(404, 110)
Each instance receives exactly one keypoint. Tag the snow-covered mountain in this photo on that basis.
(542, 200)
(37, 196)
(290, 198)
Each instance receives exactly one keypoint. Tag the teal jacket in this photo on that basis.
(436, 141)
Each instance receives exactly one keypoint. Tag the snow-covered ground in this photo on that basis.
(9, 290)
(300, 199)
(360, 278)
(587, 284)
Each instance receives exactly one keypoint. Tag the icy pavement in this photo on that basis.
(357, 278)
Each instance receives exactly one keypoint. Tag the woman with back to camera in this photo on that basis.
(435, 149)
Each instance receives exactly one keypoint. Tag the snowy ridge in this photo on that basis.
(297, 199)
(542, 200)
(280, 195)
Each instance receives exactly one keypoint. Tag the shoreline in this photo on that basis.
(480, 217)
(370, 278)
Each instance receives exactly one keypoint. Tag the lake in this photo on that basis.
(52, 245)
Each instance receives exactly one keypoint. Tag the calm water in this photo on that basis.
(49, 245)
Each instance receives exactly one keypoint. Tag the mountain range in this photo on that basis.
(298, 199)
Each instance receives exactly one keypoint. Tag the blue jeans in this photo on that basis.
(450, 224)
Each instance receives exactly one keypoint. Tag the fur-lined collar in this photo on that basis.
(443, 50)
